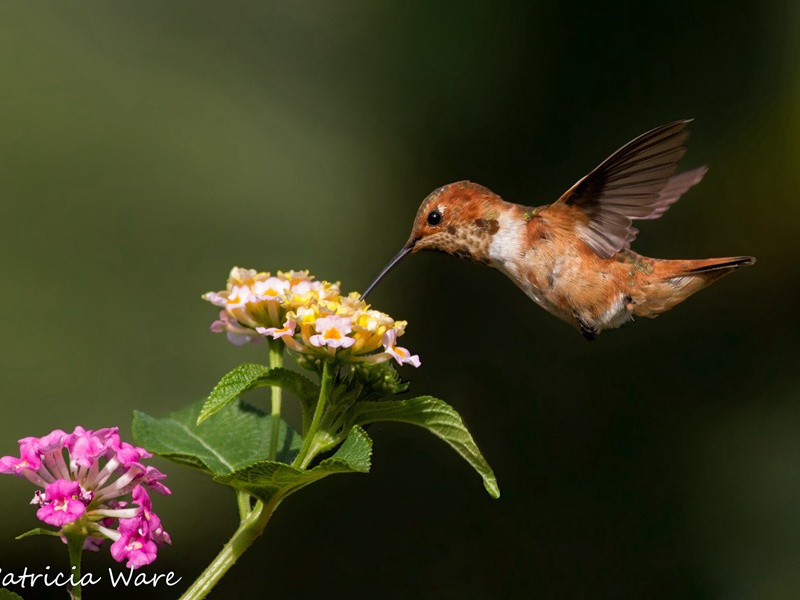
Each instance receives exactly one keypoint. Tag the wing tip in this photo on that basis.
(692, 176)
(679, 124)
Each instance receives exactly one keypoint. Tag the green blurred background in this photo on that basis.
(147, 147)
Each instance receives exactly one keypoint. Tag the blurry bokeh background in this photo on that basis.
(147, 147)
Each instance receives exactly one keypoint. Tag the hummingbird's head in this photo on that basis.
(459, 219)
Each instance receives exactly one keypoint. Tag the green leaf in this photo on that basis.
(6, 594)
(235, 436)
(440, 419)
(37, 531)
(265, 479)
(251, 376)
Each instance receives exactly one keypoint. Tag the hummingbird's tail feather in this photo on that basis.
(673, 281)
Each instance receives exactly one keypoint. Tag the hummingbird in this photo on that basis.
(573, 257)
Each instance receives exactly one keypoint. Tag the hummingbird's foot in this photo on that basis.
(587, 331)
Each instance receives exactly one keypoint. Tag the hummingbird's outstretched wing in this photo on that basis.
(633, 183)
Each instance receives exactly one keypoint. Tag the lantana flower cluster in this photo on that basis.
(80, 492)
(312, 318)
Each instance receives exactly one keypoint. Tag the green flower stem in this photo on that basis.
(243, 501)
(330, 422)
(75, 550)
(250, 528)
(303, 458)
(275, 361)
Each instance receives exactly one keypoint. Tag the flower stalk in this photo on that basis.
(249, 529)
(275, 361)
(305, 456)
(75, 543)
(243, 501)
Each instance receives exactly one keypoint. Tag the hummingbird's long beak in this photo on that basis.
(406, 249)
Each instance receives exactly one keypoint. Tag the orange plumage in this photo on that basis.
(573, 257)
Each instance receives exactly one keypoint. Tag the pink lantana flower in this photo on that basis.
(133, 545)
(401, 355)
(85, 447)
(285, 333)
(148, 518)
(276, 333)
(84, 474)
(140, 535)
(237, 334)
(61, 503)
(20, 466)
(332, 332)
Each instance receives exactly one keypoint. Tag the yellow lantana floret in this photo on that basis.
(310, 317)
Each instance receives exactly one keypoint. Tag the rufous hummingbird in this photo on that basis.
(573, 257)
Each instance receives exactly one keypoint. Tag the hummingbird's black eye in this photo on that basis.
(434, 217)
